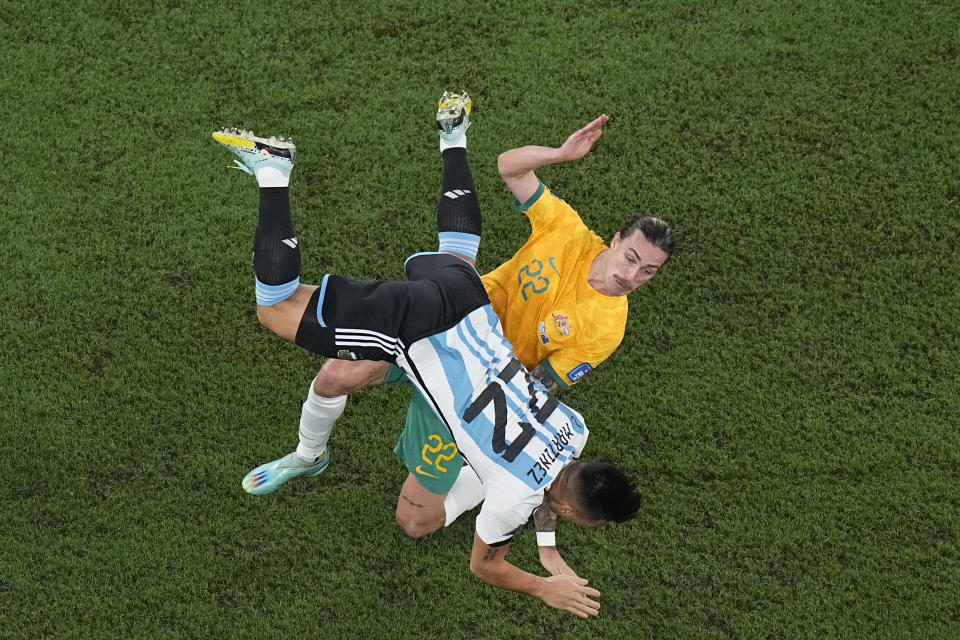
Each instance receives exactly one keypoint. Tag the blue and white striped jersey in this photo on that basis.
(514, 434)
(439, 327)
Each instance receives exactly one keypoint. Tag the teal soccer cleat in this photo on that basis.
(254, 152)
(269, 477)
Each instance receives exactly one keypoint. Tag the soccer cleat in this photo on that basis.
(453, 116)
(269, 477)
(254, 152)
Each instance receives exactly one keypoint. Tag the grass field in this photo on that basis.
(787, 392)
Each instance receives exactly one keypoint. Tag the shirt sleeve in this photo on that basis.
(568, 366)
(544, 209)
(500, 519)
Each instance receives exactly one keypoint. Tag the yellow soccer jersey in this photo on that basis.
(548, 309)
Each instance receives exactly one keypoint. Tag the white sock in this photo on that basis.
(272, 177)
(316, 423)
(465, 494)
(459, 142)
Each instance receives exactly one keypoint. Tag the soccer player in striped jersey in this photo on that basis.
(438, 326)
(561, 300)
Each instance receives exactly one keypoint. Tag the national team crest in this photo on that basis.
(560, 322)
(345, 354)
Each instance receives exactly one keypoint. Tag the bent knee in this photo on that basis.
(418, 525)
(274, 319)
(283, 317)
(342, 377)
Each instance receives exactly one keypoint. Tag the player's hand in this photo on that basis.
(580, 142)
(553, 562)
(571, 594)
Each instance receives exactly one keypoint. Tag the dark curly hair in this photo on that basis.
(604, 492)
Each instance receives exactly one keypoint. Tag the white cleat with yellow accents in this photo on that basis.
(254, 152)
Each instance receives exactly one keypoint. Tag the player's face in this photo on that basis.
(632, 261)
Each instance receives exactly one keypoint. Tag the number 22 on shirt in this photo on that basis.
(530, 279)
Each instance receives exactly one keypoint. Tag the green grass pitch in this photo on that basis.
(788, 391)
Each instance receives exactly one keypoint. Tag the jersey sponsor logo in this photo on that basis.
(579, 371)
(560, 322)
(543, 333)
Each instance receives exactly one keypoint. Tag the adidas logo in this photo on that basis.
(456, 193)
(290, 242)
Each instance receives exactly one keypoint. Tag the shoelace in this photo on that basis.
(239, 165)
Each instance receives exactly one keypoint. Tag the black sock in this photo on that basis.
(276, 253)
(458, 209)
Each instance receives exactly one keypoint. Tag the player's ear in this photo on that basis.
(615, 240)
(563, 508)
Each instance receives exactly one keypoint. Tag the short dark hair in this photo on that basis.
(604, 492)
(656, 231)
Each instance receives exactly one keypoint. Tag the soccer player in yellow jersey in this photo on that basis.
(561, 298)
(562, 303)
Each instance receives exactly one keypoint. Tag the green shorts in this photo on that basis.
(425, 445)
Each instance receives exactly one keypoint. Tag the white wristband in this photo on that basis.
(546, 538)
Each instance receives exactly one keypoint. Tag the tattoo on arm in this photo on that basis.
(543, 376)
(545, 519)
(492, 553)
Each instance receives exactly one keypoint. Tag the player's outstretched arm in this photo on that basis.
(553, 562)
(517, 166)
(546, 522)
(560, 592)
